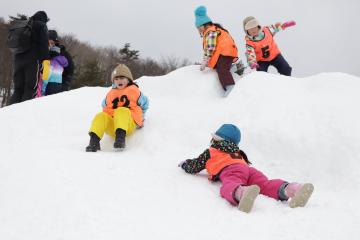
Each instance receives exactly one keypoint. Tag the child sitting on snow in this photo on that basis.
(123, 110)
(261, 49)
(220, 50)
(241, 183)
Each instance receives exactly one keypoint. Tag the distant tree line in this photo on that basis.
(93, 65)
(6, 65)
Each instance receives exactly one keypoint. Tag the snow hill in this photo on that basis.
(297, 129)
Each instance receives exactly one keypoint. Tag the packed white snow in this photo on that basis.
(297, 129)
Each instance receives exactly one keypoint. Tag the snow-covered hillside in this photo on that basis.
(303, 130)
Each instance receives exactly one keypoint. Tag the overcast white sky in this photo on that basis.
(326, 38)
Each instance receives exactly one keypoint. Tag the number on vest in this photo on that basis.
(123, 99)
(115, 103)
(126, 101)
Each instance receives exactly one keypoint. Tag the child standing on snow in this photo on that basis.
(123, 110)
(241, 183)
(220, 50)
(57, 64)
(261, 49)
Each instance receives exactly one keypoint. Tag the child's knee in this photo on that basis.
(286, 70)
(101, 116)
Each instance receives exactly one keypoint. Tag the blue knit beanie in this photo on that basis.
(230, 133)
(200, 16)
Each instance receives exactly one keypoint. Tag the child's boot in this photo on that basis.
(246, 196)
(119, 143)
(299, 194)
(94, 143)
(228, 89)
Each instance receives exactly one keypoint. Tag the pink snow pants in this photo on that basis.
(235, 175)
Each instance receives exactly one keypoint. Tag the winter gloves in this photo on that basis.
(254, 65)
(45, 70)
(283, 26)
(288, 24)
(204, 63)
(181, 163)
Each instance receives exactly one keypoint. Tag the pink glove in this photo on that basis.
(288, 24)
(254, 65)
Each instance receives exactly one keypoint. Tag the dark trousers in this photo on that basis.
(222, 67)
(53, 88)
(26, 79)
(279, 63)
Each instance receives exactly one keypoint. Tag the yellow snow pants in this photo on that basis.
(104, 123)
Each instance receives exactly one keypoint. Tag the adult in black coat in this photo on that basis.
(27, 66)
(68, 72)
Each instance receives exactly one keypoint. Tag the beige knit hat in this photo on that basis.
(250, 22)
(122, 70)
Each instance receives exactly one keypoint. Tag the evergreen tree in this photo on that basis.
(90, 75)
(127, 55)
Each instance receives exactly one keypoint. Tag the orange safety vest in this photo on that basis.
(127, 97)
(225, 45)
(219, 160)
(265, 49)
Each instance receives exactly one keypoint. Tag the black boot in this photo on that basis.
(94, 143)
(120, 139)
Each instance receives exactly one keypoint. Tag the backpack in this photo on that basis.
(19, 36)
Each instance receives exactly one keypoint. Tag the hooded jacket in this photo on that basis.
(68, 72)
(39, 40)
(214, 159)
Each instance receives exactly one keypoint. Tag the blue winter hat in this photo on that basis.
(229, 132)
(200, 16)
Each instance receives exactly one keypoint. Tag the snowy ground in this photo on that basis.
(303, 130)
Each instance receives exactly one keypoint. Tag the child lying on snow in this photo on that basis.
(241, 183)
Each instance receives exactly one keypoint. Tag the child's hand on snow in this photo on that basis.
(204, 63)
(254, 65)
(181, 163)
(288, 24)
